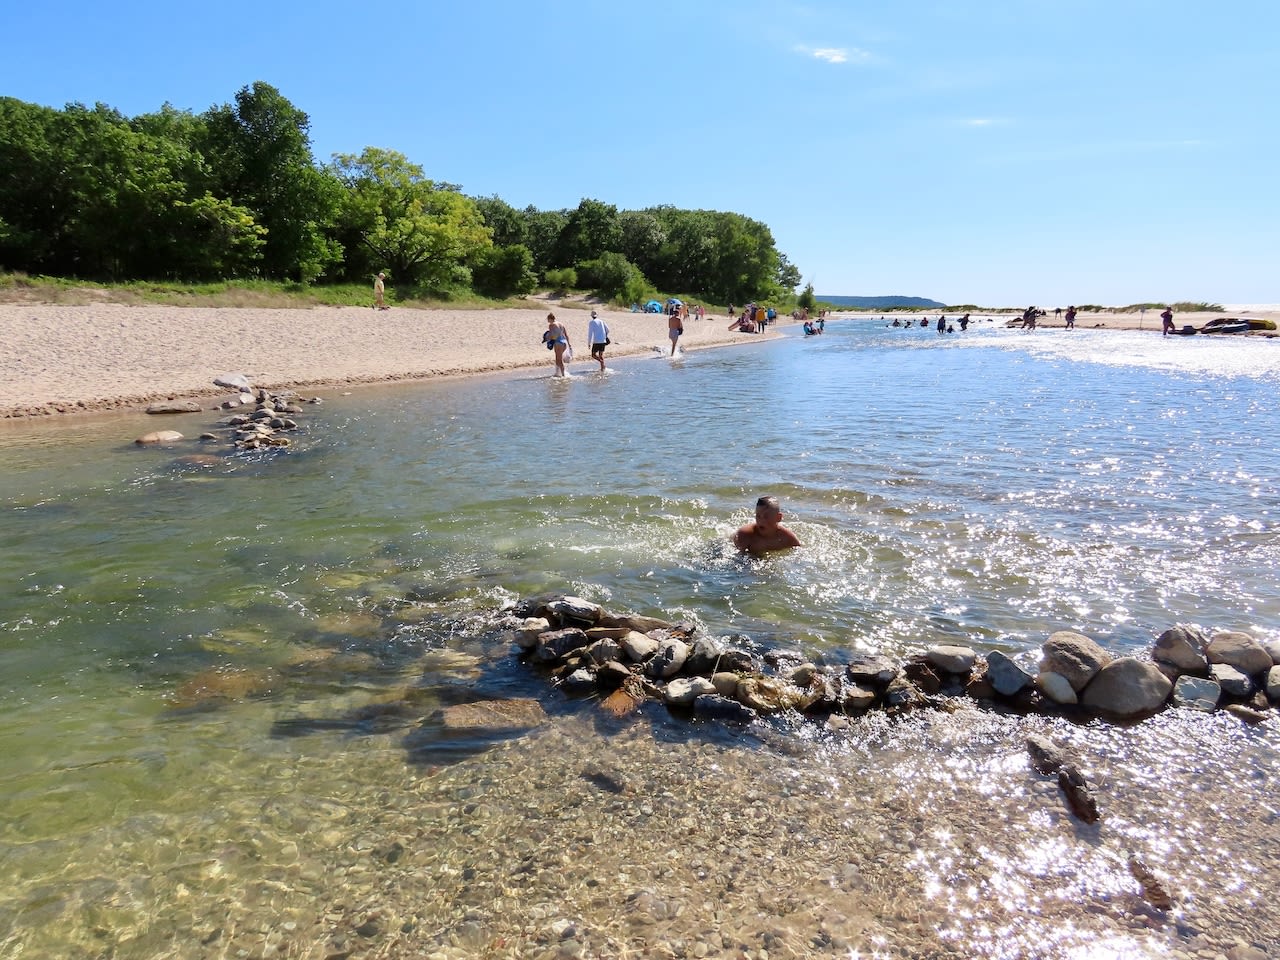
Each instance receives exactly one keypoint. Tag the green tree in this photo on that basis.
(259, 156)
(589, 231)
(609, 275)
(504, 271)
(642, 238)
(424, 236)
(806, 298)
(507, 224)
(542, 235)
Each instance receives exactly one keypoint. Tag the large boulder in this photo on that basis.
(1127, 687)
(1182, 647)
(1074, 656)
(1240, 651)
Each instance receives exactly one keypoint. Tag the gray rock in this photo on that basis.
(639, 647)
(234, 381)
(1240, 651)
(526, 635)
(555, 644)
(574, 610)
(1234, 682)
(604, 650)
(1074, 656)
(682, 691)
(855, 696)
(1273, 684)
(1127, 687)
(158, 436)
(669, 659)
(1196, 693)
(715, 707)
(952, 659)
(1057, 688)
(1005, 675)
(871, 668)
(1273, 648)
(704, 657)
(901, 692)
(174, 406)
(579, 683)
(1182, 647)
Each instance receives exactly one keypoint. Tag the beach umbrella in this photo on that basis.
(673, 300)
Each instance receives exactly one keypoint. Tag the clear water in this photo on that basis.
(985, 488)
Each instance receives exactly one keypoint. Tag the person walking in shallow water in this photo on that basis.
(556, 337)
(1166, 322)
(598, 338)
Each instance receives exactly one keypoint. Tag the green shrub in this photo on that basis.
(562, 281)
(504, 271)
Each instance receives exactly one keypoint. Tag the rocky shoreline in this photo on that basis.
(626, 660)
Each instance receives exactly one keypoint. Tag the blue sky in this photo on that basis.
(1003, 152)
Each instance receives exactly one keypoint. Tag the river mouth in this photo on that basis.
(984, 491)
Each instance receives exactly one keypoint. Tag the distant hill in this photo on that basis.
(880, 303)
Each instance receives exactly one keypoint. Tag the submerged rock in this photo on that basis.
(158, 436)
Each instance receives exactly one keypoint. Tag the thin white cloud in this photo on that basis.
(834, 54)
(984, 122)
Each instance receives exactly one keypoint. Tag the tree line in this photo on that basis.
(235, 192)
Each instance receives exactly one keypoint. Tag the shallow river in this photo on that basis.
(986, 488)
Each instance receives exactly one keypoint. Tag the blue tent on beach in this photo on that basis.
(653, 306)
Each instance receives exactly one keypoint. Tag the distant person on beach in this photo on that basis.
(964, 322)
(674, 329)
(1166, 321)
(1071, 317)
(766, 532)
(942, 323)
(556, 337)
(598, 338)
(379, 291)
(1029, 318)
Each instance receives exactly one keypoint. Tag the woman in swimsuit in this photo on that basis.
(557, 337)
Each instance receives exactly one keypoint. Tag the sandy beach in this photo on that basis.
(67, 359)
(59, 359)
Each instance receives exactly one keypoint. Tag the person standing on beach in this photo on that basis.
(556, 337)
(1071, 317)
(674, 329)
(379, 291)
(1166, 322)
(598, 338)
(766, 532)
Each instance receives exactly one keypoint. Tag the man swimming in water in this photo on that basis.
(767, 532)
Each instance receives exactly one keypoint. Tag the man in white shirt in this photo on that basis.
(598, 337)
